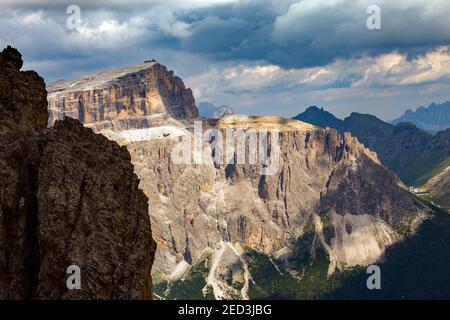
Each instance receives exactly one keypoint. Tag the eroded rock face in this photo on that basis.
(106, 229)
(23, 116)
(324, 179)
(68, 197)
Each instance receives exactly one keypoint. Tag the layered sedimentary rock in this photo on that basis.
(67, 197)
(324, 185)
(138, 91)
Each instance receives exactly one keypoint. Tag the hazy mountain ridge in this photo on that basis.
(438, 188)
(209, 110)
(434, 118)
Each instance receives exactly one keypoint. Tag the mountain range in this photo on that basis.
(412, 153)
(434, 118)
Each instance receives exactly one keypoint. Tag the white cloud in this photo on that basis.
(395, 69)
(370, 77)
(326, 29)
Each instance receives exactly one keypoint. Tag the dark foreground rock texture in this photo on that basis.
(67, 197)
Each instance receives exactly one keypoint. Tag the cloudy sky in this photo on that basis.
(258, 56)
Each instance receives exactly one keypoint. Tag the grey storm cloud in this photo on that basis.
(288, 33)
(311, 33)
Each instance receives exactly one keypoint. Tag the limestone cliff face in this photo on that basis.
(326, 185)
(142, 90)
(68, 197)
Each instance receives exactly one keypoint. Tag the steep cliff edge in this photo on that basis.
(329, 194)
(68, 197)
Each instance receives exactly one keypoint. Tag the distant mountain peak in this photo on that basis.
(320, 117)
(314, 108)
(434, 118)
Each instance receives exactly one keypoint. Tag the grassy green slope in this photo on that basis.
(190, 287)
(433, 171)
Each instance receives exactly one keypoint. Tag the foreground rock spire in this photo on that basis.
(67, 197)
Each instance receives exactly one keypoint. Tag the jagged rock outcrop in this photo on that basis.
(325, 185)
(67, 197)
(330, 181)
(138, 91)
(358, 184)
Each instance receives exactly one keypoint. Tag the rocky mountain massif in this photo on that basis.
(221, 226)
(67, 197)
(434, 118)
(412, 153)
